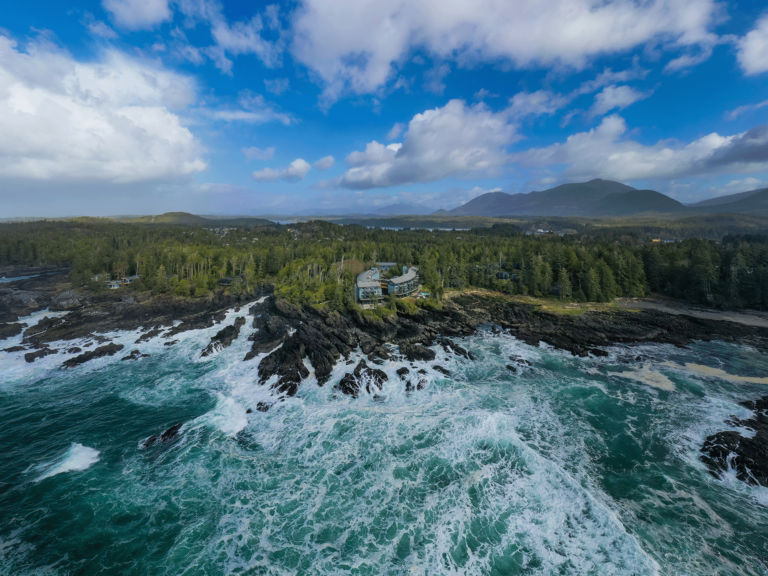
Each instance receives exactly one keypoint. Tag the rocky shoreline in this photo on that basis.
(287, 335)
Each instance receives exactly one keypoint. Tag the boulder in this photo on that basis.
(224, 337)
(372, 378)
(166, 436)
(107, 350)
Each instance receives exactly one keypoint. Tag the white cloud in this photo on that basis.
(753, 48)
(734, 187)
(239, 38)
(541, 102)
(613, 97)
(455, 140)
(608, 77)
(253, 108)
(296, 171)
(356, 45)
(106, 121)
(138, 14)
(396, 130)
(254, 153)
(98, 28)
(736, 112)
(325, 163)
(603, 153)
(277, 86)
(482, 94)
(690, 59)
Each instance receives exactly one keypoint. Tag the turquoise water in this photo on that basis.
(567, 467)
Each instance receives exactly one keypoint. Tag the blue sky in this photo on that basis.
(146, 106)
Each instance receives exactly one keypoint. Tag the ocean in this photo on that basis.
(566, 466)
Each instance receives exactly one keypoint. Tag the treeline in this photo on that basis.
(318, 261)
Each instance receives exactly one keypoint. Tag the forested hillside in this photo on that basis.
(317, 261)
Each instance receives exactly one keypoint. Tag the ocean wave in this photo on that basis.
(76, 459)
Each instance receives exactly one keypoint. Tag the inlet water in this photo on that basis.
(567, 466)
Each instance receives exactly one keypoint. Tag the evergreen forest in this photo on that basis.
(317, 262)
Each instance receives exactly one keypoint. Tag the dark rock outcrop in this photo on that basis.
(134, 355)
(224, 337)
(9, 329)
(291, 335)
(442, 370)
(415, 352)
(42, 353)
(14, 349)
(372, 378)
(106, 350)
(166, 436)
(46, 323)
(451, 347)
(747, 456)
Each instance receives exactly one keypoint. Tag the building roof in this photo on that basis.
(367, 276)
(368, 279)
(407, 277)
(388, 264)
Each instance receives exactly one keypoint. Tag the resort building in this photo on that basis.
(368, 287)
(405, 285)
(384, 266)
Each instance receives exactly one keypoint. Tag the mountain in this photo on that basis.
(638, 202)
(578, 199)
(403, 209)
(727, 199)
(606, 198)
(754, 203)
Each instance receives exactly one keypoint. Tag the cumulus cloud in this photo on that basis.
(138, 14)
(455, 140)
(105, 121)
(753, 48)
(254, 153)
(296, 171)
(613, 97)
(325, 163)
(277, 86)
(355, 45)
(602, 152)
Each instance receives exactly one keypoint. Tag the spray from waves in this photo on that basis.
(229, 416)
(76, 459)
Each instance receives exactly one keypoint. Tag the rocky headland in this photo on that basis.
(288, 337)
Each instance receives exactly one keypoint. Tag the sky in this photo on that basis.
(114, 107)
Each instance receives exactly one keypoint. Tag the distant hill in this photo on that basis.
(606, 198)
(638, 202)
(726, 199)
(578, 199)
(755, 203)
(403, 209)
(187, 219)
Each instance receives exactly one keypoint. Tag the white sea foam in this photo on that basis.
(229, 416)
(76, 459)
